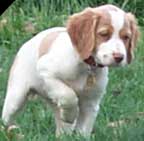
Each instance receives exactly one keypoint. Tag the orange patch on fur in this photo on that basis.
(131, 25)
(47, 42)
(81, 28)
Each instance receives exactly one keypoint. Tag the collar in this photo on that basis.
(91, 62)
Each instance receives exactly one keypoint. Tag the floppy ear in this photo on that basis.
(82, 29)
(134, 38)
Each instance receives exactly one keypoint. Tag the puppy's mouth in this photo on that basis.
(108, 64)
(94, 63)
(100, 65)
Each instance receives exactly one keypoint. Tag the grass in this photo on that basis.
(121, 117)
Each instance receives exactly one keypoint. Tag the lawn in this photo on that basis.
(121, 117)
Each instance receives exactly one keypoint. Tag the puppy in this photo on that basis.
(68, 66)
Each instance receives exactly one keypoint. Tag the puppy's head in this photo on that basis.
(107, 33)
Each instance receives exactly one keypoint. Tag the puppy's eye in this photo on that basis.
(126, 38)
(104, 35)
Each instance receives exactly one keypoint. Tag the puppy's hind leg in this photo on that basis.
(14, 101)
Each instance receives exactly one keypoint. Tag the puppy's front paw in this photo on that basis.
(69, 114)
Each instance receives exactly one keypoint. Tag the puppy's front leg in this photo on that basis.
(64, 97)
(60, 94)
(65, 100)
(87, 116)
(61, 125)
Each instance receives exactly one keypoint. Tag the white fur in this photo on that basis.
(60, 76)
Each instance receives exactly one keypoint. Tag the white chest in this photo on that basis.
(89, 82)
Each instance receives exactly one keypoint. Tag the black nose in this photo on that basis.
(118, 57)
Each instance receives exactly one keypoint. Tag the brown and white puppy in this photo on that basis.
(68, 66)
